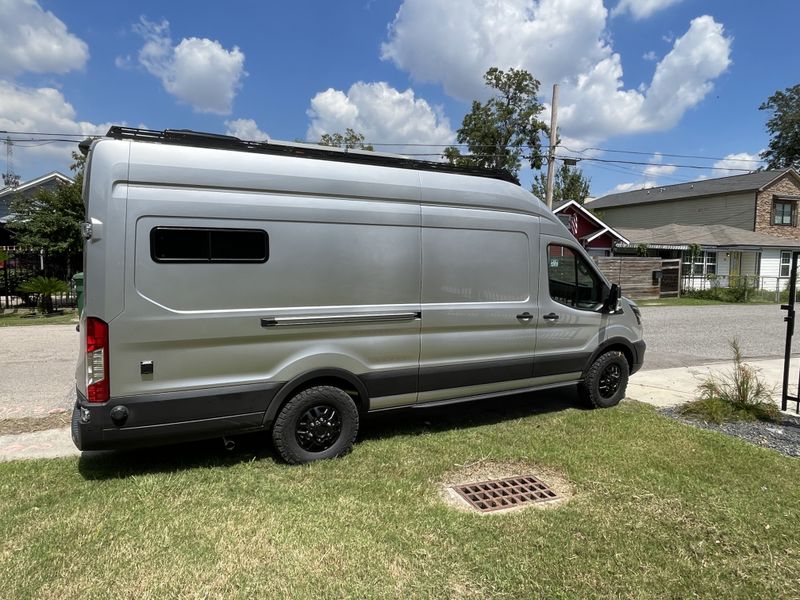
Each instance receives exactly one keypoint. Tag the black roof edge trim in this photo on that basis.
(199, 139)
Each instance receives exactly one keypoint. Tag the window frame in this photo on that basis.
(209, 260)
(788, 264)
(784, 202)
(704, 260)
(594, 273)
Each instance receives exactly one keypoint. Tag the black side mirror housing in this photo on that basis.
(612, 299)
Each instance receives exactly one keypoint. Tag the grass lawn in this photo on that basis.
(660, 509)
(22, 317)
(688, 301)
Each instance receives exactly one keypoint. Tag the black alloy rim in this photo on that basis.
(318, 428)
(609, 381)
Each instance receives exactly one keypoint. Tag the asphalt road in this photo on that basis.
(680, 336)
(37, 363)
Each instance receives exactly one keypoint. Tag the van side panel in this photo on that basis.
(478, 277)
(352, 263)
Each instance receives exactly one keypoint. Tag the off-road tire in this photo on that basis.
(605, 382)
(331, 404)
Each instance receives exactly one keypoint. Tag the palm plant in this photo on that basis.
(44, 287)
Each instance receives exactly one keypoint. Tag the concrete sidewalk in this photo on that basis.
(670, 387)
(659, 387)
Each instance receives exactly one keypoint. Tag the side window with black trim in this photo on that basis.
(201, 245)
(572, 281)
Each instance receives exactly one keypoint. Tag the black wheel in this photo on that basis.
(318, 423)
(605, 382)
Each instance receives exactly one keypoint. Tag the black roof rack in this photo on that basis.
(187, 137)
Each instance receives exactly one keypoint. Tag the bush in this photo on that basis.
(735, 396)
(44, 287)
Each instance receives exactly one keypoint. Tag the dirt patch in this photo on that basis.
(487, 470)
(30, 424)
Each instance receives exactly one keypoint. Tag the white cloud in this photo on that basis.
(627, 187)
(36, 40)
(42, 109)
(656, 169)
(651, 55)
(197, 71)
(245, 129)
(561, 41)
(641, 9)
(737, 161)
(383, 114)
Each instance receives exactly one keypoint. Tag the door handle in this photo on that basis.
(550, 317)
(526, 316)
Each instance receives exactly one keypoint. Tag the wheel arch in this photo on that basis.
(617, 343)
(340, 378)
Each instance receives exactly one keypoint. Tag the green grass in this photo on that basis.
(660, 509)
(22, 317)
(690, 301)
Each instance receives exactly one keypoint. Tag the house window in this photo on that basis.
(783, 212)
(786, 263)
(703, 264)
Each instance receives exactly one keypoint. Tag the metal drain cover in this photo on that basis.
(501, 494)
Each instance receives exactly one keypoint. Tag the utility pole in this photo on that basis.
(551, 155)
(10, 180)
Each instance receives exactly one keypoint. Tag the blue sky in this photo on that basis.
(654, 77)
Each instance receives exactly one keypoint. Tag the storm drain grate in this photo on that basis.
(502, 494)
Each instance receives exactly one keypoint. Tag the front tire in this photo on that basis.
(316, 424)
(605, 382)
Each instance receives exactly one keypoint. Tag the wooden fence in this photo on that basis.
(634, 275)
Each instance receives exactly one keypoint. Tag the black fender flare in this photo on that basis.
(299, 382)
(628, 349)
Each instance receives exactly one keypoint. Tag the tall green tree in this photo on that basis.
(784, 129)
(350, 139)
(505, 130)
(51, 220)
(569, 183)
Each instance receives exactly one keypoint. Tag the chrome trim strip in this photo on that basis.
(340, 319)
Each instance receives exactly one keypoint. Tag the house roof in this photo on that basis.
(749, 182)
(602, 227)
(680, 237)
(8, 194)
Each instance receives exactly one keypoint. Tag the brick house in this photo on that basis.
(745, 225)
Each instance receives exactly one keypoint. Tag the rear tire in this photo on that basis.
(316, 424)
(605, 382)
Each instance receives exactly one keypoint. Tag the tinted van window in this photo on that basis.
(190, 244)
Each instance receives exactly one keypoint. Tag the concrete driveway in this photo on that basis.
(38, 369)
(684, 336)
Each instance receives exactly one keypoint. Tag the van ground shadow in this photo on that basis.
(120, 464)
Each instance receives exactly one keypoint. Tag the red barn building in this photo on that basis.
(594, 235)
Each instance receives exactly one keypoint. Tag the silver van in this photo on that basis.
(235, 286)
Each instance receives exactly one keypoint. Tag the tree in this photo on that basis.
(51, 220)
(568, 184)
(784, 129)
(350, 139)
(505, 129)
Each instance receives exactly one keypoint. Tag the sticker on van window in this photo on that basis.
(554, 262)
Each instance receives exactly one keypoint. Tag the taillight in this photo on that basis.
(97, 383)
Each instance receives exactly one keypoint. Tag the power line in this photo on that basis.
(70, 138)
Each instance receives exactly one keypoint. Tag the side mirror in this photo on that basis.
(612, 300)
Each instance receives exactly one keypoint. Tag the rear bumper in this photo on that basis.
(638, 355)
(170, 417)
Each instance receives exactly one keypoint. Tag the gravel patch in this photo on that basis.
(783, 436)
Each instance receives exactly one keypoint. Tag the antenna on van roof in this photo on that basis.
(200, 139)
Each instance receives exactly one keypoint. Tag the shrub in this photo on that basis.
(735, 396)
(45, 287)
